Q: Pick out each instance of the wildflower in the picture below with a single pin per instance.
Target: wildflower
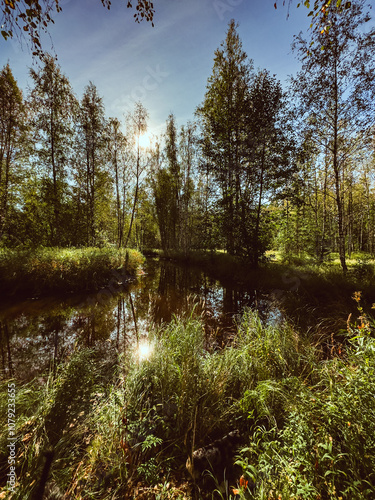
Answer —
(357, 296)
(243, 482)
(364, 323)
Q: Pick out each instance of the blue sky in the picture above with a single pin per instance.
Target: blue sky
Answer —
(165, 67)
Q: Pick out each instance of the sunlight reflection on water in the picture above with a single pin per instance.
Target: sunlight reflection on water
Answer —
(144, 350)
(36, 335)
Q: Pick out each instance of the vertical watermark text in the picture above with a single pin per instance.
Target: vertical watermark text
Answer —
(11, 475)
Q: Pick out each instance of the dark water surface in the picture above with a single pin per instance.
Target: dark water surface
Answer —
(37, 334)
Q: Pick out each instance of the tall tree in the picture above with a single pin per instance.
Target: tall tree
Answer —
(269, 161)
(167, 188)
(174, 170)
(117, 146)
(136, 127)
(223, 118)
(92, 176)
(336, 88)
(173, 186)
(188, 156)
(162, 195)
(12, 118)
(53, 105)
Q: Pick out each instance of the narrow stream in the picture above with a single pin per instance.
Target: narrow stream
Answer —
(37, 334)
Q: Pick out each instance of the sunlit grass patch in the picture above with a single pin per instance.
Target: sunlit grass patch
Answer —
(64, 269)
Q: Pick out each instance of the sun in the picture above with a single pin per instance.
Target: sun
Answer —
(145, 140)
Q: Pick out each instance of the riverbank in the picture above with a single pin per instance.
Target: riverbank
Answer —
(124, 427)
(314, 295)
(361, 268)
(38, 272)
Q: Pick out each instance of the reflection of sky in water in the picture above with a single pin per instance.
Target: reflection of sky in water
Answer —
(37, 334)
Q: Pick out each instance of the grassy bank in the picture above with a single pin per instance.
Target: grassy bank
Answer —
(56, 270)
(124, 428)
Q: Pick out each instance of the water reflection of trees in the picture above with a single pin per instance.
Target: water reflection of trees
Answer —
(36, 337)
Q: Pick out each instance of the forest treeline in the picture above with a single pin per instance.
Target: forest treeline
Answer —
(260, 167)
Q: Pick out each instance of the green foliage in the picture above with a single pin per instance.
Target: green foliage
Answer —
(245, 147)
(173, 187)
(339, 78)
(364, 268)
(325, 446)
(53, 105)
(223, 116)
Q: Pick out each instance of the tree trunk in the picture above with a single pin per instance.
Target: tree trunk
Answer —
(324, 215)
(339, 201)
(135, 200)
(257, 223)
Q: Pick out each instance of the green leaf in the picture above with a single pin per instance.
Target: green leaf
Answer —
(5, 34)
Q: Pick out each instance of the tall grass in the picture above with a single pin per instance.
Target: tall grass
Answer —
(324, 447)
(63, 270)
(66, 417)
(307, 423)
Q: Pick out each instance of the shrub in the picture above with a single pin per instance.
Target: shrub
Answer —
(325, 447)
